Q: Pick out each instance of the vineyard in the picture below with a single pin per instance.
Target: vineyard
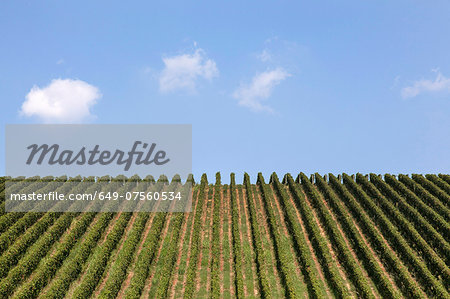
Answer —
(292, 237)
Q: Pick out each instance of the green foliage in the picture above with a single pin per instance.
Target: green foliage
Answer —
(191, 273)
(431, 285)
(216, 256)
(413, 207)
(257, 242)
(362, 250)
(318, 241)
(397, 206)
(389, 234)
(432, 195)
(354, 271)
(237, 251)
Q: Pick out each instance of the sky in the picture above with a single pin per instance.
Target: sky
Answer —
(285, 86)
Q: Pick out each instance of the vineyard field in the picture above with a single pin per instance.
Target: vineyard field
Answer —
(318, 236)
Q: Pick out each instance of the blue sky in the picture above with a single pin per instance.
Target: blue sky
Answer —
(286, 86)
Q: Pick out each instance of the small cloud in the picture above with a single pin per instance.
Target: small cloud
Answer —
(62, 101)
(271, 39)
(396, 82)
(277, 52)
(60, 61)
(183, 71)
(440, 84)
(259, 89)
(264, 56)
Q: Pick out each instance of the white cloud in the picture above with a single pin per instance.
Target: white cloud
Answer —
(441, 83)
(265, 56)
(183, 71)
(396, 82)
(260, 88)
(62, 101)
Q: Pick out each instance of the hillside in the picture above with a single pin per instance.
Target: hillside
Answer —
(320, 236)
